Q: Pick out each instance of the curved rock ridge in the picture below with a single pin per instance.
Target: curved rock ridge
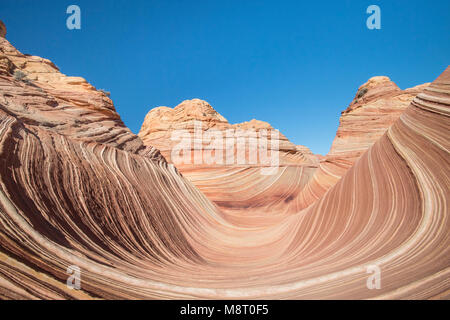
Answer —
(378, 103)
(303, 177)
(232, 185)
(88, 203)
(160, 123)
(33, 90)
(376, 106)
(138, 230)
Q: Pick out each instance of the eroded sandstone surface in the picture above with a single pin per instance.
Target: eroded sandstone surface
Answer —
(36, 93)
(78, 188)
(302, 177)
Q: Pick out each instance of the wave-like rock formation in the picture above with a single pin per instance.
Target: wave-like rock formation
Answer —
(302, 178)
(94, 197)
(161, 123)
(377, 105)
(35, 92)
(233, 185)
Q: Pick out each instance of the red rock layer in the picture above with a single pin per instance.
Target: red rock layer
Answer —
(377, 105)
(237, 188)
(33, 90)
(138, 229)
(303, 177)
(161, 122)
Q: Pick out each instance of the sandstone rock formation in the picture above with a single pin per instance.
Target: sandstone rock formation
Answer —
(161, 122)
(136, 228)
(377, 105)
(34, 91)
(235, 185)
(303, 177)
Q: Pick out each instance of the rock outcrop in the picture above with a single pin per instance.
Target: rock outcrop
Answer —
(34, 91)
(137, 229)
(237, 185)
(161, 122)
(377, 105)
(303, 177)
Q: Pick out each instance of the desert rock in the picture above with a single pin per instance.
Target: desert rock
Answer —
(138, 229)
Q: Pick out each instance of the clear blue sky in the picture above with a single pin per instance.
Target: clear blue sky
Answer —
(296, 64)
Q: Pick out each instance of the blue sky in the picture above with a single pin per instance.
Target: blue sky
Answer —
(295, 64)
